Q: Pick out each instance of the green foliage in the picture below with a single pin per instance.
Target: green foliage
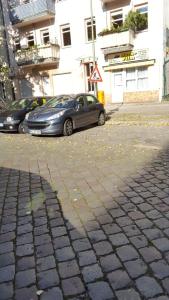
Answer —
(134, 21)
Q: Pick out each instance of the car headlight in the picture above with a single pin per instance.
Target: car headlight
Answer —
(27, 116)
(58, 115)
(9, 119)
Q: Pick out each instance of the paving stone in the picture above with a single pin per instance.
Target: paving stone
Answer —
(119, 279)
(118, 239)
(104, 219)
(153, 233)
(48, 279)
(7, 259)
(52, 294)
(6, 290)
(42, 239)
(91, 225)
(24, 229)
(145, 207)
(96, 236)
(72, 286)
(92, 273)
(162, 223)
(25, 278)
(131, 230)
(111, 228)
(27, 293)
(110, 263)
(25, 263)
(8, 227)
(24, 239)
(46, 263)
(136, 215)
(117, 212)
(160, 269)
(150, 254)
(124, 221)
(24, 250)
(166, 285)
(81, 245)
(129, 294)
(64, 254)
(153, 214)
(59, 231)
(148, 287)
(161, 298)
(139, 241)
(103, 248)
(7, 237)
(6, 247)
(144, 223)
(136, 268)
(161, 244)
(77, 233)
(86, 258)
(44, 250)
(61, 242)
(41, 230)
(127, 253)
(100, 291)
(7, 273)
(68, 269)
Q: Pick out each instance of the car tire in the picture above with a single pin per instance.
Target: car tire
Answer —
(101, 119)
(68, 127)
(21, 128)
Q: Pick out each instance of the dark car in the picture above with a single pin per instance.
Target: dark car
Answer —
(64, 113)
(12, 117)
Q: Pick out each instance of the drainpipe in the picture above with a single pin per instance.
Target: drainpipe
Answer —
(93, 45)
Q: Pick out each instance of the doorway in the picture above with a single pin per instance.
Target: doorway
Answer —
(117, 92)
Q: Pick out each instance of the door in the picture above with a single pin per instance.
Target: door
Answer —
(80, 116)
(117, 94)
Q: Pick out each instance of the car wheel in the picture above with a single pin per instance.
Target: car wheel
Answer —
(21, 128)
(68, 127)
(101, 119)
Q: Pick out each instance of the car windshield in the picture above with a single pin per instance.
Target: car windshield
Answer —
(61, 102)
(21, 104)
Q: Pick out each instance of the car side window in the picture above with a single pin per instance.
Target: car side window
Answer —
(91, 100)
(80, 101)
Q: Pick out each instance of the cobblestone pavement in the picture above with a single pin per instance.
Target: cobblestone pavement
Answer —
(85, 217)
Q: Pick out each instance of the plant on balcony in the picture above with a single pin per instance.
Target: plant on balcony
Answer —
(134, 21)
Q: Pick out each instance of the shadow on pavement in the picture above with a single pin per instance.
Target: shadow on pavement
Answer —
(72, 248)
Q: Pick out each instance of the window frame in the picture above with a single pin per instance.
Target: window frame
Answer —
(116, 12)
(42, 31)
(62, 27)
(136, 79)
(33, 39)
(88, 27)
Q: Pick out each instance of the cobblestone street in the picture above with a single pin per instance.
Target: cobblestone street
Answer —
(86, 216)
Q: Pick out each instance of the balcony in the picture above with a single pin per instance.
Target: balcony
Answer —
(36, 11)
(40, 55)
(117, 42)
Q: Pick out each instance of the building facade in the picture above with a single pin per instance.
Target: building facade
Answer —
(57, 43)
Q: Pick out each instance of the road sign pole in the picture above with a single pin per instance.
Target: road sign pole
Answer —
(93, 45)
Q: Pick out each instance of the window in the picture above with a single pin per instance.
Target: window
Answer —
(91, 100)
(17, 43)
(89, 30)
(88, 71)
(137, 79)
(45, 37)
(117, 18)
(66, 36)
(30, 38)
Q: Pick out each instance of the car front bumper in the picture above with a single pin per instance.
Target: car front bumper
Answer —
(51, 129)
(9, 127)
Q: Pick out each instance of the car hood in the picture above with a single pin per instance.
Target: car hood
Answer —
(12, 113)
(43, 114)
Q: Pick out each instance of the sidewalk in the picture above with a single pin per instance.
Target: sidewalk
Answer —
(138, 114)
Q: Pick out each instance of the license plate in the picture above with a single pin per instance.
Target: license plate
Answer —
(1, 124)
(35, 131)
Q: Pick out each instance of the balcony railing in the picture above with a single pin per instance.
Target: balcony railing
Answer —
(112, 42)
(43, 54)
(37, 10)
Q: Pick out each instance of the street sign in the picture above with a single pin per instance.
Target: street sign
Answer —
(95, 76)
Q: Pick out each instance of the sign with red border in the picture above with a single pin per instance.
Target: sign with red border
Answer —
(95, 76)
